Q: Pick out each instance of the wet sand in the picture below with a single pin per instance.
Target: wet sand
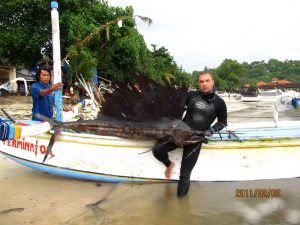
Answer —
(19, 107)
(32, 197)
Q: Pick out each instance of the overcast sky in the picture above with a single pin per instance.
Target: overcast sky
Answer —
(201, 33)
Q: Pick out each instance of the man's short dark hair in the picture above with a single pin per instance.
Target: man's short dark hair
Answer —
(206, 72)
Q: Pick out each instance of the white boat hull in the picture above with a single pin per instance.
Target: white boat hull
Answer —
(260, 99)
(112, 159)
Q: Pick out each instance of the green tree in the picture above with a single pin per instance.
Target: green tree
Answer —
(24, 30)
(90, 37)
(230, 72)
(162, 67)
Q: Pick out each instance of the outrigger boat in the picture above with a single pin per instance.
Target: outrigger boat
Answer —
(245, 154)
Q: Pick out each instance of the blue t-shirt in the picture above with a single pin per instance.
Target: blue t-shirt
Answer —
(41, 104)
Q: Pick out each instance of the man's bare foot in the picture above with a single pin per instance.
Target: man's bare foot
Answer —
(169, 170)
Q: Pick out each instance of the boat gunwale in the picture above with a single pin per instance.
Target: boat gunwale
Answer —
(236, 144)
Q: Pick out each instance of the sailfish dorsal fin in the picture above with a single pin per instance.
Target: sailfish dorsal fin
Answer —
(143, 99)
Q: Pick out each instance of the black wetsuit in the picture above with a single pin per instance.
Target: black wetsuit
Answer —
(202, 110)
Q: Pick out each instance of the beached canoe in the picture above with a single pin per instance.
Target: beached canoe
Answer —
(246, 154)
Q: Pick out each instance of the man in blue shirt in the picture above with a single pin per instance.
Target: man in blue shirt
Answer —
(42, 93)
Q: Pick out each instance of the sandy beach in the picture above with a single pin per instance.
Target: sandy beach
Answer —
(31, 197)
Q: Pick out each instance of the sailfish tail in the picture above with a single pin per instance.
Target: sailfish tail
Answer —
(57, 131)
(47, 119)
(53, 138)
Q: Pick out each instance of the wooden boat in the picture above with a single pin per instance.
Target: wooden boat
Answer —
(246, 154)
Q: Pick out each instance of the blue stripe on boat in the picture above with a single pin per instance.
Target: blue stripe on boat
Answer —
(79, 174)
(260, 134)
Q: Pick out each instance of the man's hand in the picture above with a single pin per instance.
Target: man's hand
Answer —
(208, 133)
(53, 88)
(56, 86)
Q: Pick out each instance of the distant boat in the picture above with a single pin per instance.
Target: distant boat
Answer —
(264, 96)
(270, 95)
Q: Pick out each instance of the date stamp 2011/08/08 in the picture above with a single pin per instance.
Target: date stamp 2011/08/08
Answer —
(258, 193)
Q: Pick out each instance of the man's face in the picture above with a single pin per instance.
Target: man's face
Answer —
(206, 83)
(44, 77)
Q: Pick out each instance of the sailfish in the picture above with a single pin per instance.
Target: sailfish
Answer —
(139, 109)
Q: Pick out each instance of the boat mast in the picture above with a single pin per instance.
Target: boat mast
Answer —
(56, 58)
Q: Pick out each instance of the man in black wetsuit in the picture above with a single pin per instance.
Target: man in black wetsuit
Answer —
(203, 107)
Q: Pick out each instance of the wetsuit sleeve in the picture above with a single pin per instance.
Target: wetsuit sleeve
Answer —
(221, 111)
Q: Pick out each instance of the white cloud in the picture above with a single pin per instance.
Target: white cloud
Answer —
(201, 33)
